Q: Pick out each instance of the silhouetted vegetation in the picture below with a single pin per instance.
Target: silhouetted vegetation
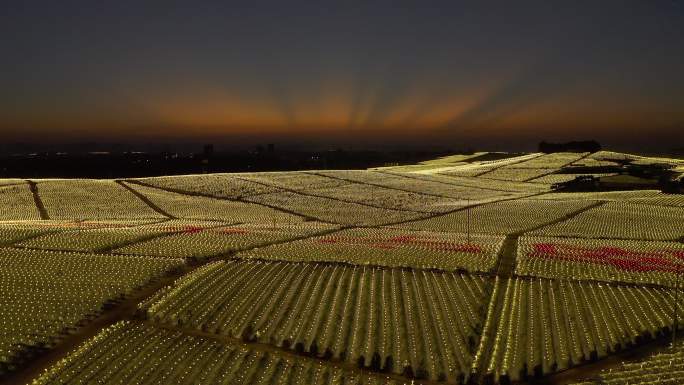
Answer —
(574, 146)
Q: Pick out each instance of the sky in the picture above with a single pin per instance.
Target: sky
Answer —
(358, 73)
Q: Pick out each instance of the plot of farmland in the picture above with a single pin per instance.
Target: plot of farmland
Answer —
(44, 295)
(108, 238)
(203, 208)
(17, 203)
(399, 318)
(604, 260)
(298, 181)
(391, 198)
(217, 185)
(391, 248)
(199, 242)
(398, 275)
(332, 210)
(623, 220)
(501, 217)
(92, 199)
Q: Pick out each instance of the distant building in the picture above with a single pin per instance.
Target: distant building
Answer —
(208, 151)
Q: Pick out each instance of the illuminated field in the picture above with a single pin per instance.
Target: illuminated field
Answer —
(454, 270)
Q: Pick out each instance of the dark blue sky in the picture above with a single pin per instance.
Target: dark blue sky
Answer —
(371, 72)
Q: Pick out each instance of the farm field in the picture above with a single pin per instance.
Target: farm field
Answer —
(468, 269)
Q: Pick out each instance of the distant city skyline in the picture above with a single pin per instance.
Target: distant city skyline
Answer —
(376, 74)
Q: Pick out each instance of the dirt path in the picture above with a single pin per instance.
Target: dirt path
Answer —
(453, 182)
(300, 192)
(198, 194)
(146, 200)
(509, 164)
(506, 270)
(33, 186)
(290, 354)
(407, 177)
(591, 370)
(559, 168)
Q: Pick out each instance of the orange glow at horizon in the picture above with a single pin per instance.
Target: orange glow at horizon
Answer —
(473, 110)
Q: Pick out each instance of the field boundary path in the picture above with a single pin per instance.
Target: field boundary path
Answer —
(146, 200)
(300, 192)
(450, 183)
(504, 272)
(33, 186)
(539, 155)
(308, 217)
(241, 200)
(287, 353)
(585, 156)
(389, 187)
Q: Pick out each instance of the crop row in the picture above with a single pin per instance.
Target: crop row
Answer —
(128, 353)
(626, 195)
(561, 178)
(45, 294)
(605, 260)
(675, 200)
(405, 321)
(391, 248)
(549, 325)
(12, 232)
